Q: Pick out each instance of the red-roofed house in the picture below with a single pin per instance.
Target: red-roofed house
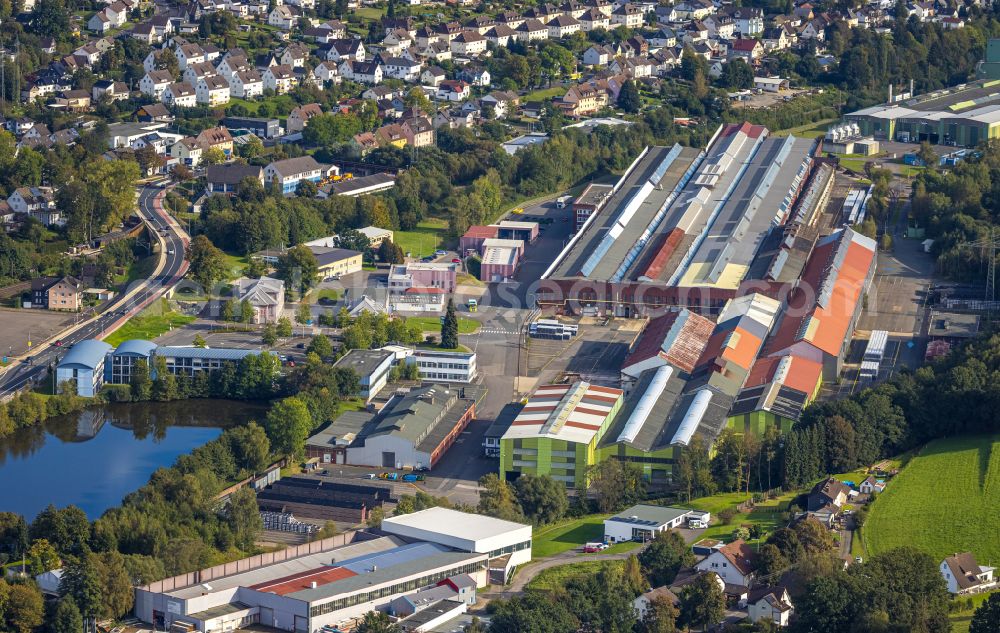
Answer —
(677, 338)
(475, 236)
(824, 308)
(749, 50)
(734, 563)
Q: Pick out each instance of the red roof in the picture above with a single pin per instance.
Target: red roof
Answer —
(803, 374)
(479, 231)
(740, 555)
(744, 45)
(826, 326)
(304, 580)
(665, 249)
(751, 130)
(685, 347)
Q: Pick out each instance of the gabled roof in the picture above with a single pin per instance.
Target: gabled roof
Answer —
(965, 569)
(678, 338)
(574, 413)
(740, 555)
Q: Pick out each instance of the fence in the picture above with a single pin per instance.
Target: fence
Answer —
(254, 562)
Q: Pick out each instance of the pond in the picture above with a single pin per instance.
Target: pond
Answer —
(95, 457)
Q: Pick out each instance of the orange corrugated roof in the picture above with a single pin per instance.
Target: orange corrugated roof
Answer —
(298, 582)
(665, 249)
(803, 375)
(742, 347)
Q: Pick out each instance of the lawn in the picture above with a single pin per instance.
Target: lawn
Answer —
(557, 577)
(769, 514)
(235, 264)
(425, 239)
(854, 162)
(564, 536)
(809, 130)
(330, 294)
(148, 325)
(960, 620)
(944, 501)
(433, 324)
(543, 94)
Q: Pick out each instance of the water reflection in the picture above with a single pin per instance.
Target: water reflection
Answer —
(94, 457)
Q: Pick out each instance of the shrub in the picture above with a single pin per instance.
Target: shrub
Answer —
(726, 516)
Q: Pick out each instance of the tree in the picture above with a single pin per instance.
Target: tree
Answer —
(533, 612)
(199, 341)
(375, 516)
(449, 327)
(770, 561)
(67, 618)
(228, 310)
(268, 336)
(303, 314)
(737, 75)
(82, 579)
(615, 484)
(703, 603)
(628, 98)
(542, 498)
(165, 384)
(25, 609)
(298, 267)
(306, 189)
(288, 424)
(213, 156)
(244, 517)
(51, 17)
(986, 619)
(927, 155)
(42, 557)
(498, 499)
(247, 311)
(283, 328)
(377, 622)
(321, 346)
(390, 253)
(208, 264)
(660, 616)
(666, 554)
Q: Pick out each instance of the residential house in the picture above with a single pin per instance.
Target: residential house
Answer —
(154, 82)
(871, 486)
(351, 49)
(596, 56)
(362, 72)
(734, 563)
(452, 90)
(770, 603)
(628, 15)
(826, 493)
(582, 100)
(188, 151)
(225, 178)
(280, 79)
(100, 22)
(391, 134)
(216, 138)
(749, 50)
(29, 199)
(593, 19)
(402, 68)
(73, 100)
(246, 84)
(299, 118)
(432, 76)
(694, 9)
(475, 75)
(563, 26)
(197, 71)
(532, 30)
(288, 173)
(180, 95)
(663, 38)
(188, 54)
(326, 72)
(112, 90)
(749, 21)
(144, 33)
(419, 131)
(212, 91)
(778, 38)
(284, 17)
(57, 293)
(468, 44)
(720, 26)
(501, 35)
(266, 295)
(500, 103)
(294, 55)
(963, 575)
(364, 142)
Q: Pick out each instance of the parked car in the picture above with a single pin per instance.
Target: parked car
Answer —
(455, 260)
(412, 477)
(440, 253)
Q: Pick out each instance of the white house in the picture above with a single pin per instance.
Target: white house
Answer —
(326, 72)
(212, 91)
(627, 15)
(154, 82)
(180, 94)
(963, 575)
(594, 19)
(734, 563)
(402, 68)
(770, 603)
(452, 90)
(291, 171)
(563, 26)
(246, 84)
(362, 72)
(280, 78)
(469, 44)
(871, 485)
(596, 55)
(643, 522)
(432, 76)
(284, 17)
(196, 71)
(299, 118)
(188, 54)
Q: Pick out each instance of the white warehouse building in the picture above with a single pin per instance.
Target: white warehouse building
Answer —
(643, 522)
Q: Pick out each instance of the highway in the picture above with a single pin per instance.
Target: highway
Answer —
(170, 268)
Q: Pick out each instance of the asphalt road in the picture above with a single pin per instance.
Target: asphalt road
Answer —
(173, 242)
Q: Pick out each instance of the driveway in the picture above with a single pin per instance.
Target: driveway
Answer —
(530, 571)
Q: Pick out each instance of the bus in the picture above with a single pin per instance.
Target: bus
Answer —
(552, 330)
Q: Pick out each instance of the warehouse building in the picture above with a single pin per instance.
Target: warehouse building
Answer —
(965, 115)
(643, 522)
(323, 500)
(557, 432)
(335, 581)
(682, 227)
(372, 367)
(413, 430)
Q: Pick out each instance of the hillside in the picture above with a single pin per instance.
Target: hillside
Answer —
(944, 501)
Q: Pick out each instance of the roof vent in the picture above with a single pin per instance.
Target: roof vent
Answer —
(313, 584)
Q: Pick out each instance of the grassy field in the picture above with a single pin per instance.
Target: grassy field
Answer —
(543, 94)
(425, 239)
(960, 620)
(564, 536)
(148, 326)
(330, 294)
(854, 162)
(433, 324)
(944, 501)
(235, 264)
(809, 130)
(555, 577)
(768, 514)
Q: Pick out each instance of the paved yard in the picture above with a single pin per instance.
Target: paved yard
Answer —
(39, 325)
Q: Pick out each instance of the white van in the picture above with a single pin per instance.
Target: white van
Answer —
(562, 201)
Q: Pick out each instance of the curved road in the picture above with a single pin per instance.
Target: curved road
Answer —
(169, 270)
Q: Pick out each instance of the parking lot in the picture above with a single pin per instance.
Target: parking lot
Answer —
(20, 326)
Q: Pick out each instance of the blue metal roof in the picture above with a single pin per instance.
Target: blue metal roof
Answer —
(205, 353)
(136, 346)
(89, 354)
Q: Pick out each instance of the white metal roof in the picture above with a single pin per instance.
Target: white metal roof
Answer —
(462, 525)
